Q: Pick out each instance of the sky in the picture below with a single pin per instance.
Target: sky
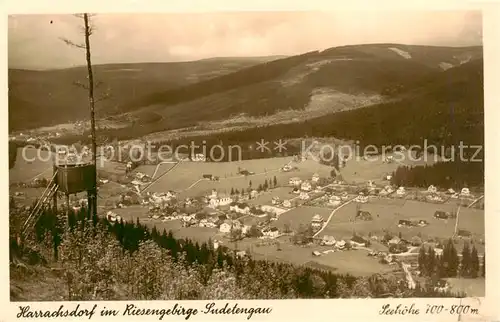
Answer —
(34, 41)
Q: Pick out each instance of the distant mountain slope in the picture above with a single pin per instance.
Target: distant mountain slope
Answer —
(40, 98)
(444, 112)
(316, 83)
(339, 78)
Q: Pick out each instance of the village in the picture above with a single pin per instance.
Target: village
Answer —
(293, 214)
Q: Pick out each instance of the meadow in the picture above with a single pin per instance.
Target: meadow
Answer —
(387, 213)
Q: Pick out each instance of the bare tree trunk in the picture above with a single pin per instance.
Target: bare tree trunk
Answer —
(93, 193)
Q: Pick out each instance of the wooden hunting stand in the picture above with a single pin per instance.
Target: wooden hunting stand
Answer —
(71, 178)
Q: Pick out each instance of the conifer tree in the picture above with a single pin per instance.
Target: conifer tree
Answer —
(431, 261)
(422, 261)
(465, 266)
(474, 263)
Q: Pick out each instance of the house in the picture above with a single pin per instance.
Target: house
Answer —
(465, 192)
(334, 201)
(439, 214)
(207, 176)
(199, 157)
(371, 185)
(294, 181)
(340, 244)
(257, 211)
(254, 193)
(315, 178)
(306, 186)
(225, 227)
(432, 189)
(272, 232)
(422, 223)
(361, 198)
(239, 207)
(401, 191)
(451, 191)
(464, 233)
(296, 190)
(304, 196)
(287, 204)
(317, 221)
(328, 241)
(358, 241)
(275, 201)
(286, 168)
(405, 223)
(218, 202)
(364, 215)
(394, 240)
(316, 253)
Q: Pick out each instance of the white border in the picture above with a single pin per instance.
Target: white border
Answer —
(295, 310)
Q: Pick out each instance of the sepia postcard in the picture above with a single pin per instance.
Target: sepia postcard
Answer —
(262, 164)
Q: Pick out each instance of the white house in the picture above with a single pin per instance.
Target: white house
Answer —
(272, 232)
(334, 201)
(432, 189)
(401, 191)
(340, 244)
(275, 201)
(328, 241)
(305, 186)
(361, 199)
(295, 181)
(199, 157)
(465, 192)
(241, 208)
(287, 203)
(317, 221)
(287, 168)
(218, 202)
(225, 228)
(315, 178)
(254, 193)
(304, 196)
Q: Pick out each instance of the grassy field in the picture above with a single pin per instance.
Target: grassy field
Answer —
(359, 170)
(387, 214)
(300, 215)
(188, 173)
(266, 197)
(24, 171)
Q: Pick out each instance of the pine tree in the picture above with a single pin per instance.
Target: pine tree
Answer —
(466, 261)
(431, 261)
(454, 261)
(422, 261)
(232, 192)
(474, 263)
(275, 181)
